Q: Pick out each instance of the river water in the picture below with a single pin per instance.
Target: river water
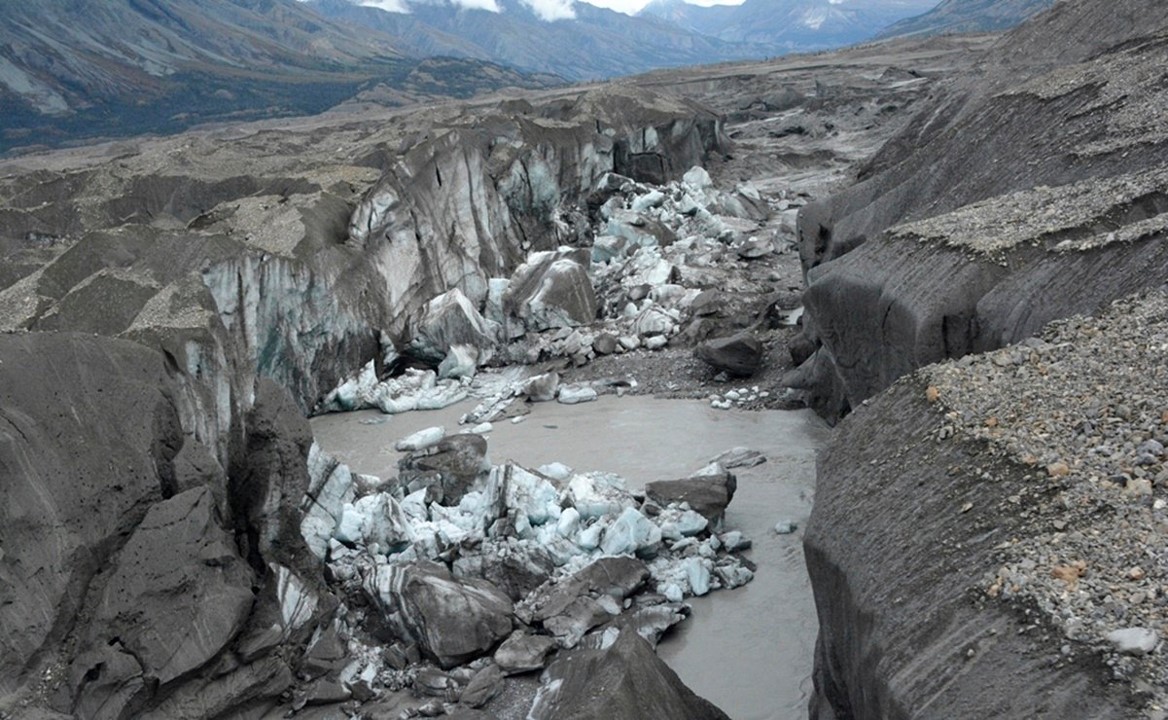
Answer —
(749, 650)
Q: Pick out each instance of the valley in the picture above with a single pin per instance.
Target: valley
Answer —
(502, 405)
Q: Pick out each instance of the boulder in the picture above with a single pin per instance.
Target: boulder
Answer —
(580, 616)
(452, 621)
(739, 355)
(623, 681)
(485, 685)
(708, 495)
(552, 290)
(604, 344)
(575, 394)
(651, 622)
(453, 464)
(755, 248)
(516, 566)
(448, 320)
(541, 388)
(524, 652)
(617, 577)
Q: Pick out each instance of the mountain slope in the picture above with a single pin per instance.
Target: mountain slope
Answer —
(958, 16)
(596, 43)
(115, 67)
(790, 25)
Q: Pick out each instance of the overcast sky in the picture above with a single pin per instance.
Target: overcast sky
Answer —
(548, 9)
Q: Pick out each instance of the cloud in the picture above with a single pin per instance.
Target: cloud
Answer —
(393, 6)
(550, 10)
(403, 6)
(491, 5)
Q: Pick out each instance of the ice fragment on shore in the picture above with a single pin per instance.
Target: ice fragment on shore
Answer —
(421, 439)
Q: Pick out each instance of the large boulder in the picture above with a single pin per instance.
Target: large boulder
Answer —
(623, 681)
(450, 320)
(451, 466)
(739, 355)
(708, 495)
(453, 621)
(616, 577)
(552, 290)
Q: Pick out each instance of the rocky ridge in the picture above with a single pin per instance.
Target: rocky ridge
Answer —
(988, 522)
(1065, 113)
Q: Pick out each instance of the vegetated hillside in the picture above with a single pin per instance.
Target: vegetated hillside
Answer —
(790, 25)
(959, 16)
(595, 43)
(119, 67)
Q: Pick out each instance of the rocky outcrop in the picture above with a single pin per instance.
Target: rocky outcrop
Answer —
(908, 523)
(179, 595)
(61, 482)
(141, 596)
(960, 250)
(622, 680)
(965, 512)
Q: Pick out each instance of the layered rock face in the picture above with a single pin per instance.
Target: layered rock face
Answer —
(899, 572)
(123, 578)
(157, 468)
(1029, 192)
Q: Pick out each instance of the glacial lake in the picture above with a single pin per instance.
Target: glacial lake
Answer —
(748, 650)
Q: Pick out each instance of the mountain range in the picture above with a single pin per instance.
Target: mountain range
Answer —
(790, 25)
(597, 43)
(83, 69)
(961, 16)
(87, 68)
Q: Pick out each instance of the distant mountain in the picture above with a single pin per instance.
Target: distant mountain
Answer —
(85, 68)
(597, 43)
(790, 25)
(959, 16)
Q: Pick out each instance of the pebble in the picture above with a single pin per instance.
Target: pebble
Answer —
(785, 527)
(1133, 641)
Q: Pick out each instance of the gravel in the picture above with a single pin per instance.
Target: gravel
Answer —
(1084, 411)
